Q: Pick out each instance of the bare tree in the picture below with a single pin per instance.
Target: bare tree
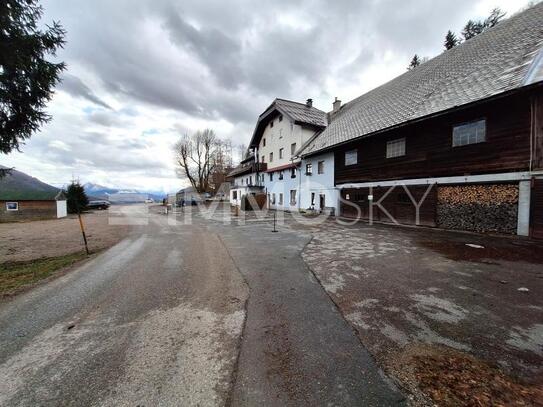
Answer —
(196, 157)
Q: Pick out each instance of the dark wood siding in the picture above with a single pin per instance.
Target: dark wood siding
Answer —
(537, 209)
(429, 151)
(396, 202)
(538, 132)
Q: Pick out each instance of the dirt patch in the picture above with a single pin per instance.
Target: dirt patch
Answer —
(453, 378)
(57, 237)
(508, 251)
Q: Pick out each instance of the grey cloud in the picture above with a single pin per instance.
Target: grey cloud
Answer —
(75, 86)
(212, 61)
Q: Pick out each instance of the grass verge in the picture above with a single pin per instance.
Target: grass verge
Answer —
(14, 276)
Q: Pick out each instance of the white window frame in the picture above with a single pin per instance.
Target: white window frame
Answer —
(292, 148)
(469, 133)
(273, 199)
(351, 157)
(281, 153)
(309, 169)
(280, 198)
(396, 148)
(11, 203)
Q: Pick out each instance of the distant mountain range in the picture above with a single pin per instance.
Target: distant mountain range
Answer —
(17, 185)
(97, 192)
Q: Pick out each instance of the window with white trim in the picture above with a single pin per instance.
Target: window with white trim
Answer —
(396, 148)
(273, 199)
(292, 197)
(280, 198)
(308, 169)
(281, 152)
(320, 167)
(351, 157)
(12, 206)
(469, 133)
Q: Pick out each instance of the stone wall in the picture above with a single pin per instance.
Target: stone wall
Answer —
(479, 208)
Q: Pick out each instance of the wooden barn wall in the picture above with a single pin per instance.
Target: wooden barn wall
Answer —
(429, 151)
(538, 132)
(29, 210)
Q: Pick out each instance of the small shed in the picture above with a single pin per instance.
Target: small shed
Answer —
(25, 198)
(31, 206)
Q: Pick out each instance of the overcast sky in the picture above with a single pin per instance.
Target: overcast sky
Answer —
(141, 73)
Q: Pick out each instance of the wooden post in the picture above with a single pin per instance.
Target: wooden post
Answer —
(83, 232)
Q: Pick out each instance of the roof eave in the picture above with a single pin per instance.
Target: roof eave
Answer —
(430, 116)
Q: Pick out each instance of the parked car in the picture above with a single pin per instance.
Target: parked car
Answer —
(98, 205)
(149, 200)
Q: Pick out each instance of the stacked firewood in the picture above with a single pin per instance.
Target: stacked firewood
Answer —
(480, 194)
(479, 208)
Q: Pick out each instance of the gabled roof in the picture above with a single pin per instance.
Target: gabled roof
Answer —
(300, 113)
(503, 58)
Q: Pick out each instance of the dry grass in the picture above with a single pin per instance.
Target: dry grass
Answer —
(15, 276)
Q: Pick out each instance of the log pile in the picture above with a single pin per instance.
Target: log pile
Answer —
(478, 208)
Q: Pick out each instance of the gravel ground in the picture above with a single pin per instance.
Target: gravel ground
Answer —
(406, 289)
(56, 237)
(155, 320)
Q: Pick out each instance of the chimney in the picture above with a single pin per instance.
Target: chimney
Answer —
(309, 103)
(336, 105)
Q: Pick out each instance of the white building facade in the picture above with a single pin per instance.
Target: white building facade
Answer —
(276, 167)
(317, 188)
(281, 131)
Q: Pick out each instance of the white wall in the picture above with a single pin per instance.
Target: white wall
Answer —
(319, 184)
(282, 135)
(284, 187)
(62, 210)
(241, 186)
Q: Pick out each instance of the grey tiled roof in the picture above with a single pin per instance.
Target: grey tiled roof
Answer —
(299, 112)
(501, 59)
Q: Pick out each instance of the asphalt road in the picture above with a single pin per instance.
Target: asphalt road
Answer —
(176, 314)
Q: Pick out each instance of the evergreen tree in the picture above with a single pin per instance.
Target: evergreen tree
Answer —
(494, 18)
(451, 40)
(27, 79)
(473, 28)
(416, 61)
(76, 197)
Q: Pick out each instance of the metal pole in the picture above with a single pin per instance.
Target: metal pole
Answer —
(83, 232)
